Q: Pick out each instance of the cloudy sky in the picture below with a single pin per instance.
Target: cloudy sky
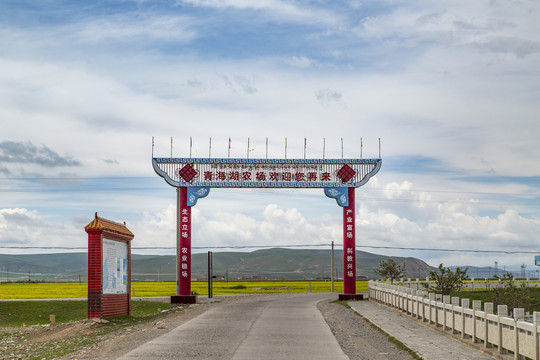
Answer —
(451, 88)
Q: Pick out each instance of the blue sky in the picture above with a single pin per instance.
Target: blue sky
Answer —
(451, 87)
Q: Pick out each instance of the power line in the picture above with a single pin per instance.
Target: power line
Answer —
(128, 189)
(288, 246)
(104, 189)
(80, 178)
(154, 177)
(453, 191)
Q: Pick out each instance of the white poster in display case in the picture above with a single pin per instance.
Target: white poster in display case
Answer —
(115, 267)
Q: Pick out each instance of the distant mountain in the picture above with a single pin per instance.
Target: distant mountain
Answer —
(277, 263)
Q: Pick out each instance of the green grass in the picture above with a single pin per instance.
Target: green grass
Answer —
(17, 313)
(20, 313)
(33, 313)
(486, 296)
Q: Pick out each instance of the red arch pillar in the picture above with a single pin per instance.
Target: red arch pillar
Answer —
(183, 251)
(349, 251)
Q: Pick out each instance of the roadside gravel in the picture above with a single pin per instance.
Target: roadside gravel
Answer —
(358, 339)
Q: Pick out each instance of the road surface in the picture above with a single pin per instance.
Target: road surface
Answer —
(287, 326)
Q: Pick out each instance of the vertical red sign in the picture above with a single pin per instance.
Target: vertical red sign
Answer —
(349, 246)
(184, 244)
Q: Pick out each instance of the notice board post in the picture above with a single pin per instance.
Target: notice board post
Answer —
(109, 268)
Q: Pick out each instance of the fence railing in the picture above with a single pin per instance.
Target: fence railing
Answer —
(507, 333)
(472, 284)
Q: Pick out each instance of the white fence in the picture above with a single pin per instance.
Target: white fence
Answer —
(508, 334)
(472, 284)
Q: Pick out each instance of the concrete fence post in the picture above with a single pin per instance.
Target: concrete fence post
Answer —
(519, 314)
(536, 322)
(488, 310)
(502, 311)
(431, 298)
(414, 302)
(455, 307)
(446, 300)
(465, 303)
(477, 306)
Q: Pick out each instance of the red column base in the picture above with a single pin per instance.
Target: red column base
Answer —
(351, 297)
(184, 299)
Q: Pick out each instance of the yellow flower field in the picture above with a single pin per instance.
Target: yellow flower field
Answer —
(145, 289)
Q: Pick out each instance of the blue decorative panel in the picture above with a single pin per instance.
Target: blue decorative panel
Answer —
(341, 195)
(195, 193)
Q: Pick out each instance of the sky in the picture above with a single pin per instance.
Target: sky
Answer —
(451, 89)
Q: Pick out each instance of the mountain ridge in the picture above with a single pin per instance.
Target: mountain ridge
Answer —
(273, 263)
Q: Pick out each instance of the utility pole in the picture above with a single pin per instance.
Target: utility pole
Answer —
(210, 295)
(332, 266)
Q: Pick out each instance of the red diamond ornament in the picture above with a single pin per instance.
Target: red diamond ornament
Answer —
(346, 173)
(187, 172)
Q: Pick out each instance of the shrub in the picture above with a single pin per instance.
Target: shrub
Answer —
(511, 295)
(390, 270)
(446, 280)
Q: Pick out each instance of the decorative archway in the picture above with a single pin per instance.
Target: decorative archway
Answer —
(194, 177)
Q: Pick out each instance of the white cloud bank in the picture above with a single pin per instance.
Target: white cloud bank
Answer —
(399, 219)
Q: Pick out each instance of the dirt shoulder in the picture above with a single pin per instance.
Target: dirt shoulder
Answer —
(94, 338)
(357, 337)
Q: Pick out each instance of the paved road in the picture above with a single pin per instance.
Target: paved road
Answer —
(268, 327)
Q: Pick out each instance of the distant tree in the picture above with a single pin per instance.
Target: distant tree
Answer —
(510, 294)
(389, 269)
(446, 280)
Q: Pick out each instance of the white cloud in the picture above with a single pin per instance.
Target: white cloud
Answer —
(510, 45)
(302, 62)
(327, 96)
(132, 27)
(413, 221)
(22, 227)
(276, 10)
(400, 219)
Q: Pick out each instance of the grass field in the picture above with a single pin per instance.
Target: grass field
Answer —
(144, 289)
(31, 313)
(487, 296)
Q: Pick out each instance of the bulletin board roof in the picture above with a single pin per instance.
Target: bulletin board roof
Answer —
(108, 225)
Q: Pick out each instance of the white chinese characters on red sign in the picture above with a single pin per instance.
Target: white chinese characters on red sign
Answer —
(184, 250)
(349, 245)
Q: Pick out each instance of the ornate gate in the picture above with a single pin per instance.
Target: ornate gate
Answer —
(194, 177)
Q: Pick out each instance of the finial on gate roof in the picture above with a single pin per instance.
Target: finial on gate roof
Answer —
(96, 215)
